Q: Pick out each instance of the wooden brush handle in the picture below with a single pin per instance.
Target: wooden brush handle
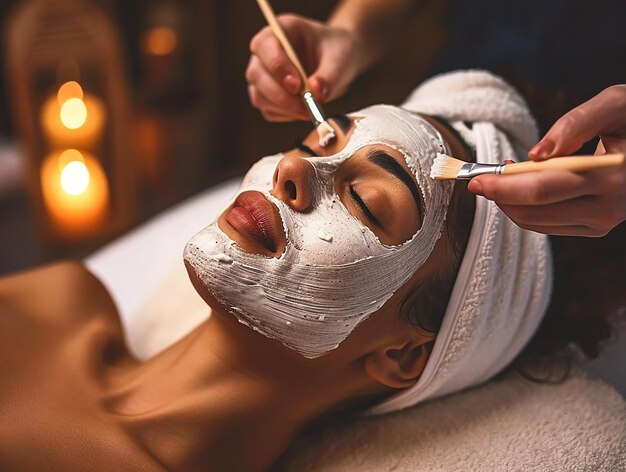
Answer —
(572, 163)
(270, 16)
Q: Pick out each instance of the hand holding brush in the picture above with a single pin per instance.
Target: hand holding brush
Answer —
(447, 167)
(567, 202)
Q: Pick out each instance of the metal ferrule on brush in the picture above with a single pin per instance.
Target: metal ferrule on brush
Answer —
(314, 109)
(471, 170)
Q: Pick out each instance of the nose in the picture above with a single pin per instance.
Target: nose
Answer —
(292, 182)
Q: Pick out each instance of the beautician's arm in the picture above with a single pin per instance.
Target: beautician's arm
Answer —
(336, 52)
(561, 202)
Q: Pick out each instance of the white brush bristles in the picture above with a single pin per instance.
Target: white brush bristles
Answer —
(326, 133)
(445, 167)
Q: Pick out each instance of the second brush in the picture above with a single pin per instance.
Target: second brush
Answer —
(447, 167)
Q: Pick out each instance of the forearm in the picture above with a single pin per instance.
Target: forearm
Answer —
(375, 23)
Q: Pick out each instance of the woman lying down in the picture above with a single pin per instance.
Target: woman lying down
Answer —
(340, 279)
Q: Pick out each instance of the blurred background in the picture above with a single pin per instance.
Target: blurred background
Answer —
(111, 111)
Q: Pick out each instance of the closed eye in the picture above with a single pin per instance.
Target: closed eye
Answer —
(361, 204)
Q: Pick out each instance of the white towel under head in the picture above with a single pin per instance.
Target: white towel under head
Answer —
(504, 283)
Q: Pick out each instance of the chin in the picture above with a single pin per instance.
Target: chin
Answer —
(204, 292)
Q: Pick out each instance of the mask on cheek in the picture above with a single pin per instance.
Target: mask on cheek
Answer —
(334, 271)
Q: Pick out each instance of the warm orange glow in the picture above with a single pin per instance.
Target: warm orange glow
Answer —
(75, 178)
(73, 113)
(69, 90)
(75, 192)
(160, 41)
(75, 123)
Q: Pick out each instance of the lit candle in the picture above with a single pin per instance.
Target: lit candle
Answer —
(72, 118)
(75, 192)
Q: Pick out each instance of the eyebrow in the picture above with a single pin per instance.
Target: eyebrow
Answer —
(388, 163)
(343, 121)
(299, 144)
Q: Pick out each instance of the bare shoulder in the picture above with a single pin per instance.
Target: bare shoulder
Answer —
(63, 292)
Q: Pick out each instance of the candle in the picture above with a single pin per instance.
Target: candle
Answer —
(72, 118)
(75, 192)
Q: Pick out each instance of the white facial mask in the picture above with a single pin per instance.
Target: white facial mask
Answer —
(334, 271)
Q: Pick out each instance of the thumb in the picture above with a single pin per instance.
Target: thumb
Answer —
(319, 88)
(566, 136)
(601, 115)
(324, 82)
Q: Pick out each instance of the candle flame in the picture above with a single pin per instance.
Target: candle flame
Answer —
(75, 177)
(75, 193)
(73, 113)
(71, 89)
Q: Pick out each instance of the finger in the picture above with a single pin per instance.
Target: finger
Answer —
(260, 102)
(271, 96)
(254, 69)
(276, 118)
(326, 81)
(269, 110)
(274, 60)
(534, 188)
(319, 88)
(603, 114)
(265, 84)
(590, 211)
(323, 81)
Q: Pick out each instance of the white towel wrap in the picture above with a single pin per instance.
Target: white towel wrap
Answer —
(504, 283)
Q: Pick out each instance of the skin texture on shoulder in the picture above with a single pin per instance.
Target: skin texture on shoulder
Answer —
(62, 295)
(59, 331)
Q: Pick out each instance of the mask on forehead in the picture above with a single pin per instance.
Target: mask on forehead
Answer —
(334, 271)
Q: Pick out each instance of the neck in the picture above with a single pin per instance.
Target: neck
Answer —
(207, 403)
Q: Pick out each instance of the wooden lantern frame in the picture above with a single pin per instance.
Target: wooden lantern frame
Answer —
(42, 34)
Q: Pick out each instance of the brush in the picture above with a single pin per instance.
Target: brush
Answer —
(325, 132)
(447, 167)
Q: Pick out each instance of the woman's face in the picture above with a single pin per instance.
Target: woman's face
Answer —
(375, 185)
(320, 238)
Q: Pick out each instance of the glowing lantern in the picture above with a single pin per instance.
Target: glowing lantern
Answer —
(71, 109)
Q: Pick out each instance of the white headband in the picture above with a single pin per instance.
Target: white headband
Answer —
(504, 283)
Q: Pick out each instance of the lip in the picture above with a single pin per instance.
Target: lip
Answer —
(257, 219)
